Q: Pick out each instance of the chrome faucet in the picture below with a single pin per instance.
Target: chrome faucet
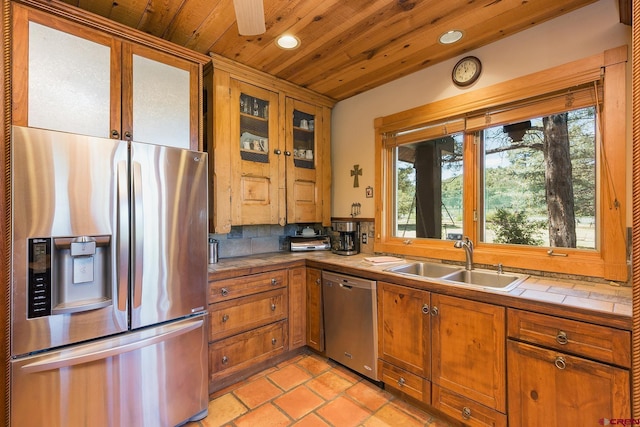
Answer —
(467, 245)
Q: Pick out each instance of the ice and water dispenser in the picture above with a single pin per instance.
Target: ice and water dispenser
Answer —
(68, 274)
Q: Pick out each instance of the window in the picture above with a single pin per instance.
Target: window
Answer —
(538, 181)
(533, 175)
(428, 190)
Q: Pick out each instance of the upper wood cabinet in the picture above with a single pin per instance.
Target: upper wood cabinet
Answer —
(270, 145)
(83, 80)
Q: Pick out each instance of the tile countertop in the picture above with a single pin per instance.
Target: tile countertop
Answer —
(601, 303)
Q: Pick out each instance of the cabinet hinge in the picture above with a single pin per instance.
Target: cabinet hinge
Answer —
(475, 215)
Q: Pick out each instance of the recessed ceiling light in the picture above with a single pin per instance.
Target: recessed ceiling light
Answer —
(288, 42)
(450, 36)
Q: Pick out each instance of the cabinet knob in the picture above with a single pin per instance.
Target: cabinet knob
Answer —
(401, 382)
(277, 151)
(225, 360)
(287, 153)
(274, 281)
(466, 413)
(128, 136)
(561, 338)
(225, 317)
(224, 292)
(115, 134)
(273, 307)
(273, 341)
(560, 362)
(425, 309)
(434, 311)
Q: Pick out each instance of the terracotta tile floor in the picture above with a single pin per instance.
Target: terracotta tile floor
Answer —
(310, 391)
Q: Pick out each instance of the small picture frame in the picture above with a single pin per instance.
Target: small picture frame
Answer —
(369, 192)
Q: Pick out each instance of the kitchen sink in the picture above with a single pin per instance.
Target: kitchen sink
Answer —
(485, 279)
(424, 269)
(459, 276)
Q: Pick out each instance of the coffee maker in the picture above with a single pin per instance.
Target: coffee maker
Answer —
(348, 242)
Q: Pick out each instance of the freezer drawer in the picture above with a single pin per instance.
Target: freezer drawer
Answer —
(150, 378)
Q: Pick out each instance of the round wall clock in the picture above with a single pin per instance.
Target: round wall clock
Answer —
(466, 71)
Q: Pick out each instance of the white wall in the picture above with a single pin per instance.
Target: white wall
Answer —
(579, 34)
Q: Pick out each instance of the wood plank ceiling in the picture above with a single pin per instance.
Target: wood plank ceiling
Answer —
(347, 46)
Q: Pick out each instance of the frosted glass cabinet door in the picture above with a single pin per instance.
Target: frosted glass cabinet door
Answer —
(161, 103)
(69, 82)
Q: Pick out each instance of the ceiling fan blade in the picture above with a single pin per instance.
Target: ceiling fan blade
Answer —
(250, 17)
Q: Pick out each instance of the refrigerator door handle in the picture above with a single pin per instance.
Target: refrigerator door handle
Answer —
(123, 236)
(137, 260)
(81, 356)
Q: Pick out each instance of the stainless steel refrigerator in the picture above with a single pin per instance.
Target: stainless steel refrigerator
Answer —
(109, 277)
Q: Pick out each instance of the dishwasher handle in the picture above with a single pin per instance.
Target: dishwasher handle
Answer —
(347, 282)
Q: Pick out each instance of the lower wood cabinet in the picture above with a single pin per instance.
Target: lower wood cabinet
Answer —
(297, 307)
(468, 360)
(444, 351)
(563, 372)
(405, 382)
(233, 354)
(465, 409)
(315, 317)
(252, 319)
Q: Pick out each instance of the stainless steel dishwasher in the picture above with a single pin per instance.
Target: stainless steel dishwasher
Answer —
(351, 322)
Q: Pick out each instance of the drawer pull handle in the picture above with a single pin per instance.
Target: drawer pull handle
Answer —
(561, 338)
(318, 281)
(273, 307)
(225, 360)
(274, 282)
(273, 341)
(434, 311)
(401, 382)
(466, 413)
(560, 363)
(225, 317)
(425, 309)
(224, 292)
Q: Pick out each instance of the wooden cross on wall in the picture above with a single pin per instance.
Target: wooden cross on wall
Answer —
(355, 173)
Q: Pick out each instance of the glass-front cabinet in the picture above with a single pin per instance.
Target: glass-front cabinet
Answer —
(269, 149)
(304, 125)
(78, 79)
(254, 155)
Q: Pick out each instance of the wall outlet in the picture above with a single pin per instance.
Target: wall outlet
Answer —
(364, 238)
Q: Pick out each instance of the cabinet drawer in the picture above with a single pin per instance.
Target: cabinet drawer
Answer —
(466, 410)
(405, 382)
(596, 342)
(223, 290)
(241, 314)
(239, 352)
(551, 388)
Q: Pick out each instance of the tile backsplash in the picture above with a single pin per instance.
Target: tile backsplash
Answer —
(257, 239)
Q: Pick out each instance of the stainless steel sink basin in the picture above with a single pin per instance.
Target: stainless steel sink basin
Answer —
(424, 269)
(459, 276)
(485, 279)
